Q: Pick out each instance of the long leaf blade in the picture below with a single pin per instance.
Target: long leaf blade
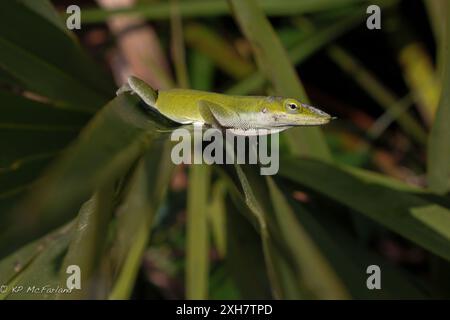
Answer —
(411, 215)
(274, 61)
(439, 140)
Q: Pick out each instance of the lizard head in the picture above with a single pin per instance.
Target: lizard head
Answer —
(288, 112)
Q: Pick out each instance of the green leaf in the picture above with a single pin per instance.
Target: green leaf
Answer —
(105, 149)
(135, 217)
(248, 204)
(439, 140)
(314, 270)
(245, 258)
(348, 257)
(217, 217)
(406, 213)
(202, 73)
(211, 8)
(46, 59)
(287, 266)
(351, 259)
(379, 92)
(45, 9)
(178, 47)
(274, 61)
(32, 134)
(214, 46)
(197, 244)
(87, 246)
(22, 174)
(304, 47)
(22, 113)
(36, 267)
(23, 144)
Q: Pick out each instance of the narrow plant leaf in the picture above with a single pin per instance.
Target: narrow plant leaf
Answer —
(217, 217)
(22, 174)
(422, 78)
(178, 47)
(35, 267)
(439, 140)
(410, 215)
(302, 49)
(20, 113)
(68, 77)
(202, 74)
(273, 60)
(258, 218)
(350, 258)
(330, 234)
(436, 10)
(286, 264)
(437, 14)
(197, 244)
(135, 217)
(212, 44)
(245, 258)
(15, 263)
(19, 145)
(314, 270)
(382, 95)
(45, 9)
(113, 140)
(211, 8)
(32, 134)
(87, 246)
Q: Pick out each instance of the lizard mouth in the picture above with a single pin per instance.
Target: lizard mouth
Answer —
(303, 123)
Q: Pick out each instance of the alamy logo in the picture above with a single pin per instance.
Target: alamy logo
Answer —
(374, 20)
(374, 280)
(214, 146)
(74, 279)
(74, 20)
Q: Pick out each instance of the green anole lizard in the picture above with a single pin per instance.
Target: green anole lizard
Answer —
(242, 115)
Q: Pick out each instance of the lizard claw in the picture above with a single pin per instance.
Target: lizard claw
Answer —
(125, 88)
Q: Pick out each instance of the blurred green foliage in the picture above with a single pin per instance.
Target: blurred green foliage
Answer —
(89, 182)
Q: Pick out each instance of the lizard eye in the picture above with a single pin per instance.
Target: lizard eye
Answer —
(291, 107)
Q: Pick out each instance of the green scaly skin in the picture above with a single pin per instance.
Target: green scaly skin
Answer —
(241, 114)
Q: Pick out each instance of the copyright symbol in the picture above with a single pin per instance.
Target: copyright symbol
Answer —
(3, 288)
